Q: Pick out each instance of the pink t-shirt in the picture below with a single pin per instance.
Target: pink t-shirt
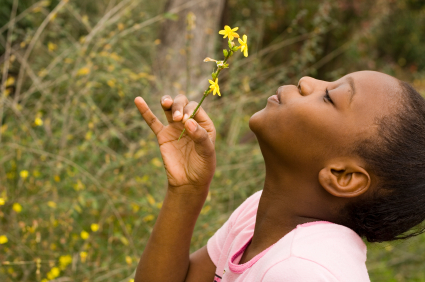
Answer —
(317, 251)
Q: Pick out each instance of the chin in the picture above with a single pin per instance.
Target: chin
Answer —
(255, 122)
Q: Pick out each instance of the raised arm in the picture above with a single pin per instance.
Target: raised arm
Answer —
(190, 165)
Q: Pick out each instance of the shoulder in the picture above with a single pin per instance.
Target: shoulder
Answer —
(298, 269)
(335, 247)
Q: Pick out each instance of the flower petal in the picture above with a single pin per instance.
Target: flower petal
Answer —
(222, 32)
(211, 82)
(245, 38)
(235, 29)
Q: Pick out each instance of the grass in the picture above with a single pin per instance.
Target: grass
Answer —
(81, 176)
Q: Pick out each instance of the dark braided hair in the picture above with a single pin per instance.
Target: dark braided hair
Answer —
(398, 160)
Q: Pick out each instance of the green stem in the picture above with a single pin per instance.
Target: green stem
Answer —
(205, 94)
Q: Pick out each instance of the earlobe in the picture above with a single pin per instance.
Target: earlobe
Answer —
(344, 179)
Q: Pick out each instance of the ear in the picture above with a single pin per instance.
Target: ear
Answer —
(344, 178)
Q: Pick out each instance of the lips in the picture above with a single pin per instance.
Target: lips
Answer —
(274, 98)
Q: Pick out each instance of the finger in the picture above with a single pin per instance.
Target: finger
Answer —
(204, 146)
(166, 103)
(188, 110)
(201, 117)
(177, 109)
(148, 116)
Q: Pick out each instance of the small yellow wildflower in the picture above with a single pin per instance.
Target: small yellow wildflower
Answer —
(111, 83)
(214, 87)
(156, 162)
(38, 122)
(17, 207)
(52, 46)
(3, 239)
(51, 204)
(64, 261)
(148, 218)
(128, 260)
(10, 81)
(244, 45)
(53, 273)
(84, 235)
(94, 227)
(131, 280)
(150, 199)
(24, 173)
(229, 32)
(83, 256)
(2, 201)
(83, 71)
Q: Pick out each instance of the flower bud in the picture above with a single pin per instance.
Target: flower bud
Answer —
(208, 59)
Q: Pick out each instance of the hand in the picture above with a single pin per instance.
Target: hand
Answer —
(189, 162)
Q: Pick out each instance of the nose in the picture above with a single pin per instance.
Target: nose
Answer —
(308, 85)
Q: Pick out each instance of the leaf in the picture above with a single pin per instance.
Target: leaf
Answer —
(171, 16)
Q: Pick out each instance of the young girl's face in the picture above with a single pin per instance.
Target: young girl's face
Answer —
(302, 126)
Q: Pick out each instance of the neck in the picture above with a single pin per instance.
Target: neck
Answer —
(287, 200)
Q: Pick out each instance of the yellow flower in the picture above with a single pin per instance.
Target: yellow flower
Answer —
(84, 235)
(54, 272)
(228, 31)
(2, 201)
(51, 204)
(214, 86)
(3, 239)
(64, 261)
(83, 71)
(17, 207)
(83, 256)
(38, 122)
(94, 227)
(24, 173)
(52, 46)
(10, 81)
(148, 218)
(244, 45)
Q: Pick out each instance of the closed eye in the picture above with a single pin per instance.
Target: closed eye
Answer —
(327, 97)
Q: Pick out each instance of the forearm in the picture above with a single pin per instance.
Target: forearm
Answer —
(166, 255)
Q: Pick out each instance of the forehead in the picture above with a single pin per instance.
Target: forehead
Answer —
(374, 82)
(377, 96)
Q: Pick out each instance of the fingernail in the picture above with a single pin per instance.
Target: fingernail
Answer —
(165, 99)
(191, 126)
(176, 114)
(185, 117)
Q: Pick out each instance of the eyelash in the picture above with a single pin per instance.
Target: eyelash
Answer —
(327, 96)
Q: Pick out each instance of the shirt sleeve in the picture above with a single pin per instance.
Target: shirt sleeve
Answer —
(216, 242)
(296, 269)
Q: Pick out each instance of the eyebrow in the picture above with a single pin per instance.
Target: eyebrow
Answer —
(353, 89)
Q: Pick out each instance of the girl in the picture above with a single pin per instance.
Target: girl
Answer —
(344, 160)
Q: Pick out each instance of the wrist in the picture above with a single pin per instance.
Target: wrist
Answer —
(189, 190)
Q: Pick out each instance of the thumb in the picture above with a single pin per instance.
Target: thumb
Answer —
(203, 145)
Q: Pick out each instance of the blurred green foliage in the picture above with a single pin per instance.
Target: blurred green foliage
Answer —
(81, 177)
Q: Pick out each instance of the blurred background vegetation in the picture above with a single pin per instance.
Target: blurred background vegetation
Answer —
(81, 177)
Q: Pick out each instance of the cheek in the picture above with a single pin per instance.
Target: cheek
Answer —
(306, 131)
